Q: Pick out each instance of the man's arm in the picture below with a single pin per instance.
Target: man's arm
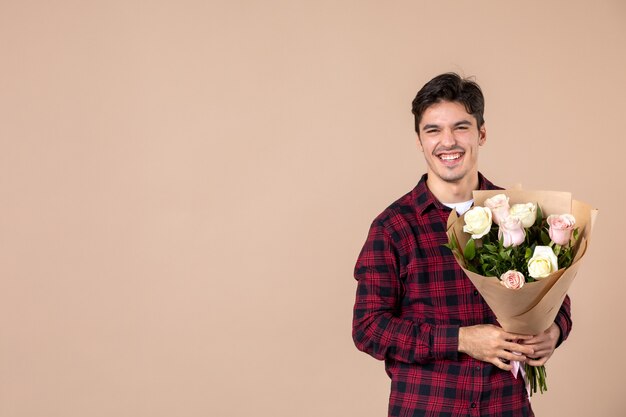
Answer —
(376, 328)
(564, 320)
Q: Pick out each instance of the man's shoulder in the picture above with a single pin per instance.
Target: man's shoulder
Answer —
(397, 211)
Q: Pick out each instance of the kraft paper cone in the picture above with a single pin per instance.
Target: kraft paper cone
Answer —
(532, 308)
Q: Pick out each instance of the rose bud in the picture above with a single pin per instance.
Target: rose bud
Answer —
(512, 232)
(499, 206)
(543, 263)
(561, 227)
(477, 222)
(512, 279)
(527, 213)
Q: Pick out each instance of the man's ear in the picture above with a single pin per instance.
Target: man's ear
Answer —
(419, 143)
(482, 135)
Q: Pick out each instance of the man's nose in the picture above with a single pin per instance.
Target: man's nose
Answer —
(447, 138)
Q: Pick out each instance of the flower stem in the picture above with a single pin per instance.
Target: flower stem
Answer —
(536, 378)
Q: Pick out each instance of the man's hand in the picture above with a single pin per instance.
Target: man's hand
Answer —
(489, 343)
(543, 345)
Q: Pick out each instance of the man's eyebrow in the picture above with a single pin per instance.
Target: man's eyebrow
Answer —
(459, 123)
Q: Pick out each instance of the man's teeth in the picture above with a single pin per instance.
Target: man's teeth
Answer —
(450, 157)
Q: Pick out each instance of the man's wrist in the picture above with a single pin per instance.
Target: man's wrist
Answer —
(556, 330)
(461, 345)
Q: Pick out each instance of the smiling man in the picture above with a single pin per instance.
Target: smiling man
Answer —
(415, 308)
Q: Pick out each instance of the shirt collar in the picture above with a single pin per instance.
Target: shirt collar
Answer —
(424, 199)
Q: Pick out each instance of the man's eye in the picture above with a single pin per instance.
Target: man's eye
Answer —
(432, 131)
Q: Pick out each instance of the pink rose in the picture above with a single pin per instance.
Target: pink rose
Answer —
(511, 231)
(512, 279)
(561, 227)
(499, 206)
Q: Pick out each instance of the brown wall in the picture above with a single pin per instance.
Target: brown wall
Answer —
(185, 186)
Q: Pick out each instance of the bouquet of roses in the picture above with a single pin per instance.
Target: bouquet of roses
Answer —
(521, 249)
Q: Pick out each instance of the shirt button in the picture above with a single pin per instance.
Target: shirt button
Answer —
(477, 368)
(473, 405)
(475, 292)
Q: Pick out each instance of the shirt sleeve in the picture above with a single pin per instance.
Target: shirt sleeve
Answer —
(376, 328)
(564, 320)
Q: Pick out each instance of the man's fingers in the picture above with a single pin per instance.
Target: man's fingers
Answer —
(540, 357)
(514, 347)
(537, 362)
(502, 365)
(514, 336)
(513, 356)
(532, 341)
(539, 352)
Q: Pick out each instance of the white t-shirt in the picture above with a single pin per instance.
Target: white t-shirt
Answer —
(462, 207)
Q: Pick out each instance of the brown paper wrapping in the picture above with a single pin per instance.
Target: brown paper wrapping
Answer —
(532, 308)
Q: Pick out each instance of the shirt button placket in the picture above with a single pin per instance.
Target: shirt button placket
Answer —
(478, 377)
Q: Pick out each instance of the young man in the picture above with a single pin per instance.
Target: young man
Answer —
(415, 308)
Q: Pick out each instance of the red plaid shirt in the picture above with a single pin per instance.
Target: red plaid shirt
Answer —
(411, 299)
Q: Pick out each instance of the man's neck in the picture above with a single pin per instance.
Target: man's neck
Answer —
(453, 192)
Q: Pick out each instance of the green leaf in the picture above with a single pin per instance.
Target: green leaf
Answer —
(545, 239)
(528, 254)
(490, 247)
(470, 250)
(491, 258)
(452, 241)
(576, 234)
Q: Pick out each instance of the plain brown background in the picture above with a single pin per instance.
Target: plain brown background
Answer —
(185, 186)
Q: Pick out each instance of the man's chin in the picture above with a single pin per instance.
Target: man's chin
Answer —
(452, 177)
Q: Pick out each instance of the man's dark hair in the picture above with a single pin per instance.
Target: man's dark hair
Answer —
(450, 87)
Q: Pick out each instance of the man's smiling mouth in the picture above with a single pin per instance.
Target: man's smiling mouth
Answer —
(450, 156)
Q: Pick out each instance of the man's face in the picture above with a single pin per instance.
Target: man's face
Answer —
(449, 138)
